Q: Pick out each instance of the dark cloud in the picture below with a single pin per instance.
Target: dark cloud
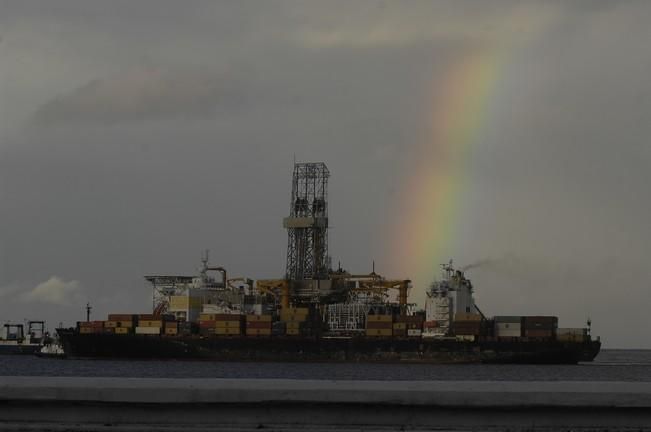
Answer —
(143, 94)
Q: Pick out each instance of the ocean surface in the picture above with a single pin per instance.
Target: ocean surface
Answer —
(610, 365)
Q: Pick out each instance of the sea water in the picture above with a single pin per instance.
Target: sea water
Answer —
(610, 365)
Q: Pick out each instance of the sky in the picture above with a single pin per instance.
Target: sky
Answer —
(509, 136)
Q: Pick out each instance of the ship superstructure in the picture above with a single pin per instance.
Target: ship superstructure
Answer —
(448, 299)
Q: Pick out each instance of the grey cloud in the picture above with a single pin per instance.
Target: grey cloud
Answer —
(142, 94)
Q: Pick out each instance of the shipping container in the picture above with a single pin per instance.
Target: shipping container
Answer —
(146, 317)
(400, 332)
(171, 331)
(122, 330)
(150, 323)
(228, 324)
(110, 324)
(206, 317)
(508, 329)
(379, 332)
(148, 330)
(379, 318)
(571, 338)
(293, 332)
(466, 327)
(292, 317)
(400, 326)
(127, 324)
(293, 325)
(258, 325)
(379, 325)
(414, 333)
(572, 334)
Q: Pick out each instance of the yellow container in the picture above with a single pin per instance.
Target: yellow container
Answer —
(110, 324)
(127, 324)
(293, 332)
(228, 324)
(379, 332)
(293, 325)
(206, 317)
(86, 330)
(379, 318)
(285, 316)
(252, 318)
(399, 326)
(153, 323)
(171, 331)
(122, 330)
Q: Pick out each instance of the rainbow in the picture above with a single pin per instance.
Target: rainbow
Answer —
(462, 106)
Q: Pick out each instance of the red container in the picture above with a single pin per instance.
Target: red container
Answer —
(146, 317)
(206, 324)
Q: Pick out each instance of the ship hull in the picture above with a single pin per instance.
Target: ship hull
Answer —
(304, 349)
(19, 349)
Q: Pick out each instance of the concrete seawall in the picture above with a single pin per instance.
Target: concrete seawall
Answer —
(141, 404)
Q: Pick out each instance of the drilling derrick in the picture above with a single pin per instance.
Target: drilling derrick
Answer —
(307, 225)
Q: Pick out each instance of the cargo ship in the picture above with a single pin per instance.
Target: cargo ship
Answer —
(319, 314)
(197, 323)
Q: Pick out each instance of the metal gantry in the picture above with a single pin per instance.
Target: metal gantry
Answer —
(307, 224)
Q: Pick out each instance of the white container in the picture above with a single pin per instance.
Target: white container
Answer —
(148, 330)
(414, 332)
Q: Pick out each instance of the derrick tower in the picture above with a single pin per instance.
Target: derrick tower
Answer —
(307, 224)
